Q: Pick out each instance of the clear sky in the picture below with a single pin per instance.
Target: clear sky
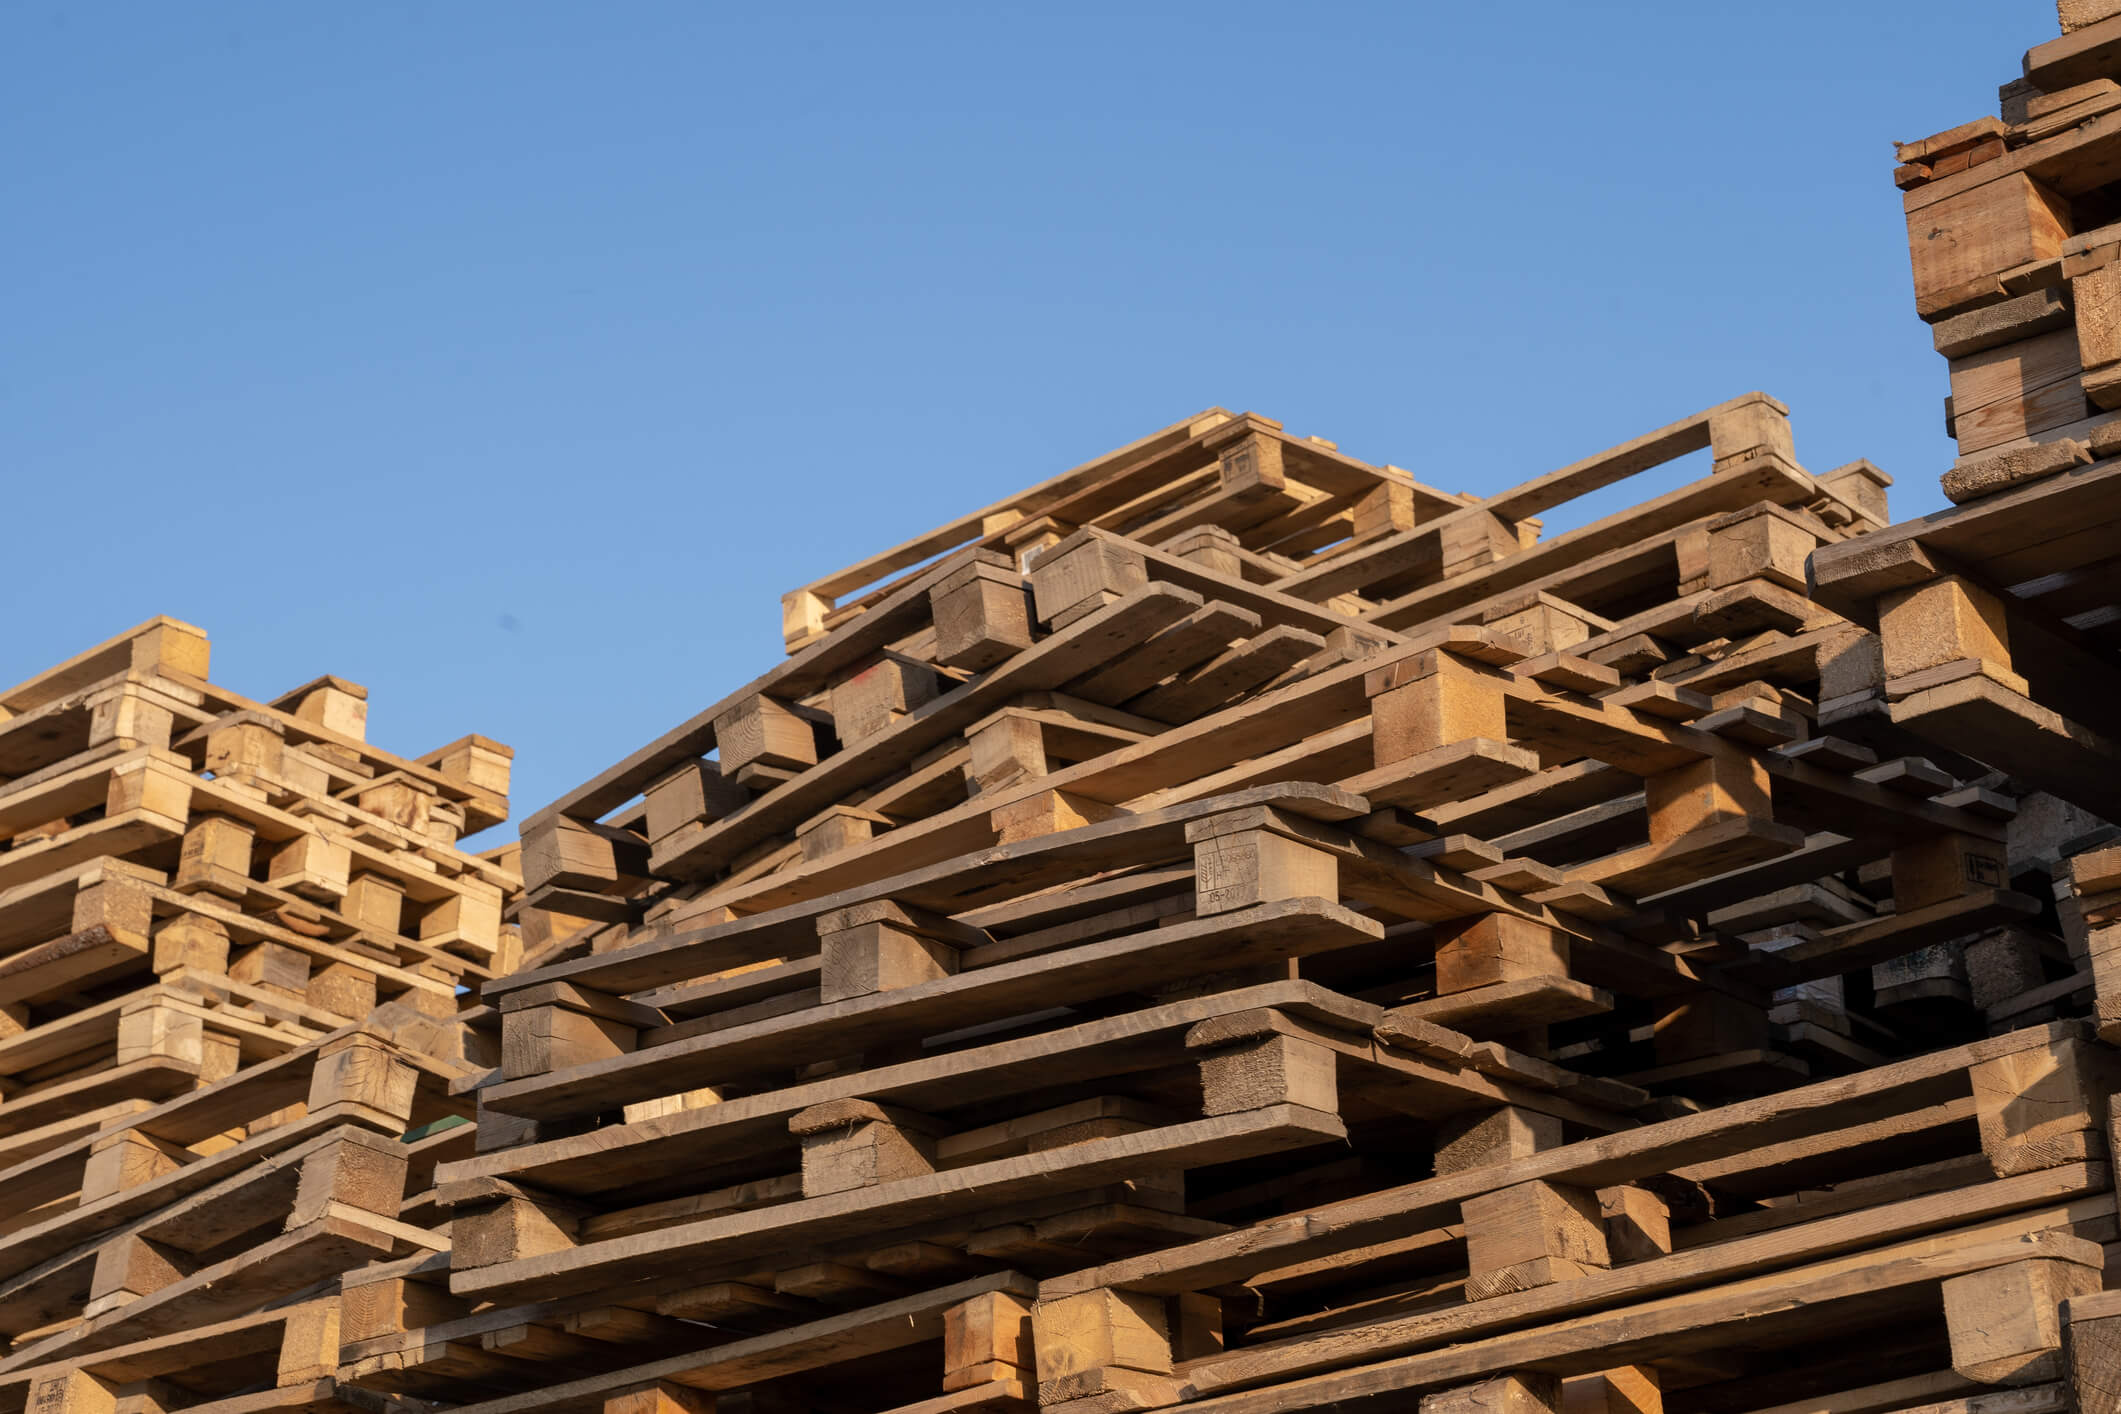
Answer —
(512, 359)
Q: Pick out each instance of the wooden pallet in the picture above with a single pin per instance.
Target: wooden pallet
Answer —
(233, 936)
(1035, 925)
(224, 1216)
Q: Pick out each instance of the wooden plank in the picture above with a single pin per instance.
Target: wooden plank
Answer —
(158, 645)
(1705, 1270)
(696, 851)
(1400, 1211)
(1763, 480)
(743, 1238)
(1678, 1324)
(1022, 867)
(890, 1325)
(754, 1128)
(1028, 502)
(695, 1056)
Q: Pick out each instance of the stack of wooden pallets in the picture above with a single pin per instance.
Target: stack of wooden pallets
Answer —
(1197, 943)
(188, 1254)
(2000, 619)
(1229, 927)
(234, 942)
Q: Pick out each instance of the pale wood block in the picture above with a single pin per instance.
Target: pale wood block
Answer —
(1525, 1393)
(1269, 1070)
(879, 957)
(337, 706)
(1945, 867)
(1497, 947)
(1258, 866)
(118, 905)
(274, 967)
(1452, 702)
(1100, 1329)
(1386, 507)
(1754, 426)
(882, 693)
(1863, 486)
(153, 786)
(585, 855)
(309, 1343)
(982, 616)
(2043, 1106)
(537, 1040)
(470, 917)
(1196, 1325)
(1728, 786)
(250, 751)
(1531, 1235)
(1943, 621)
(697, 1099)
(1005, 750)
(373, 903)
(127, 1159)
(850, 1144)
(402, 802)
(2091, 1349)
(763, 731)
(360, 1070)
(1961, 244)
(123, 713)
(1638, 1225)
(1252, 461)
(1091, 571)
(129, 1267)
(510, 1229)
(478, 762)
(1211, 547)
(1625, 1389)
(154, 1028)
(1543, 626)
(695, 791)
(838, 828)
(71, 1391)
(2106, 992)
(2006, 1322)
(152, 1396)
(662, 1397)
(362, 1170)
(1690, 553)
(343, 989)
(2077, 14)
(1993, 389)
(395, 1305)
(803, 617)
(215, 857)
(311, 866)
(1760, 543)
(1467, 542)
(168, 646)
(1496, 1136)
(1047, 812)
(2042, 409)
(987, 1338)
(303, 772)
(222, 1057)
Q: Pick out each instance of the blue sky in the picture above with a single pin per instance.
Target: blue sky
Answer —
(513, 359)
